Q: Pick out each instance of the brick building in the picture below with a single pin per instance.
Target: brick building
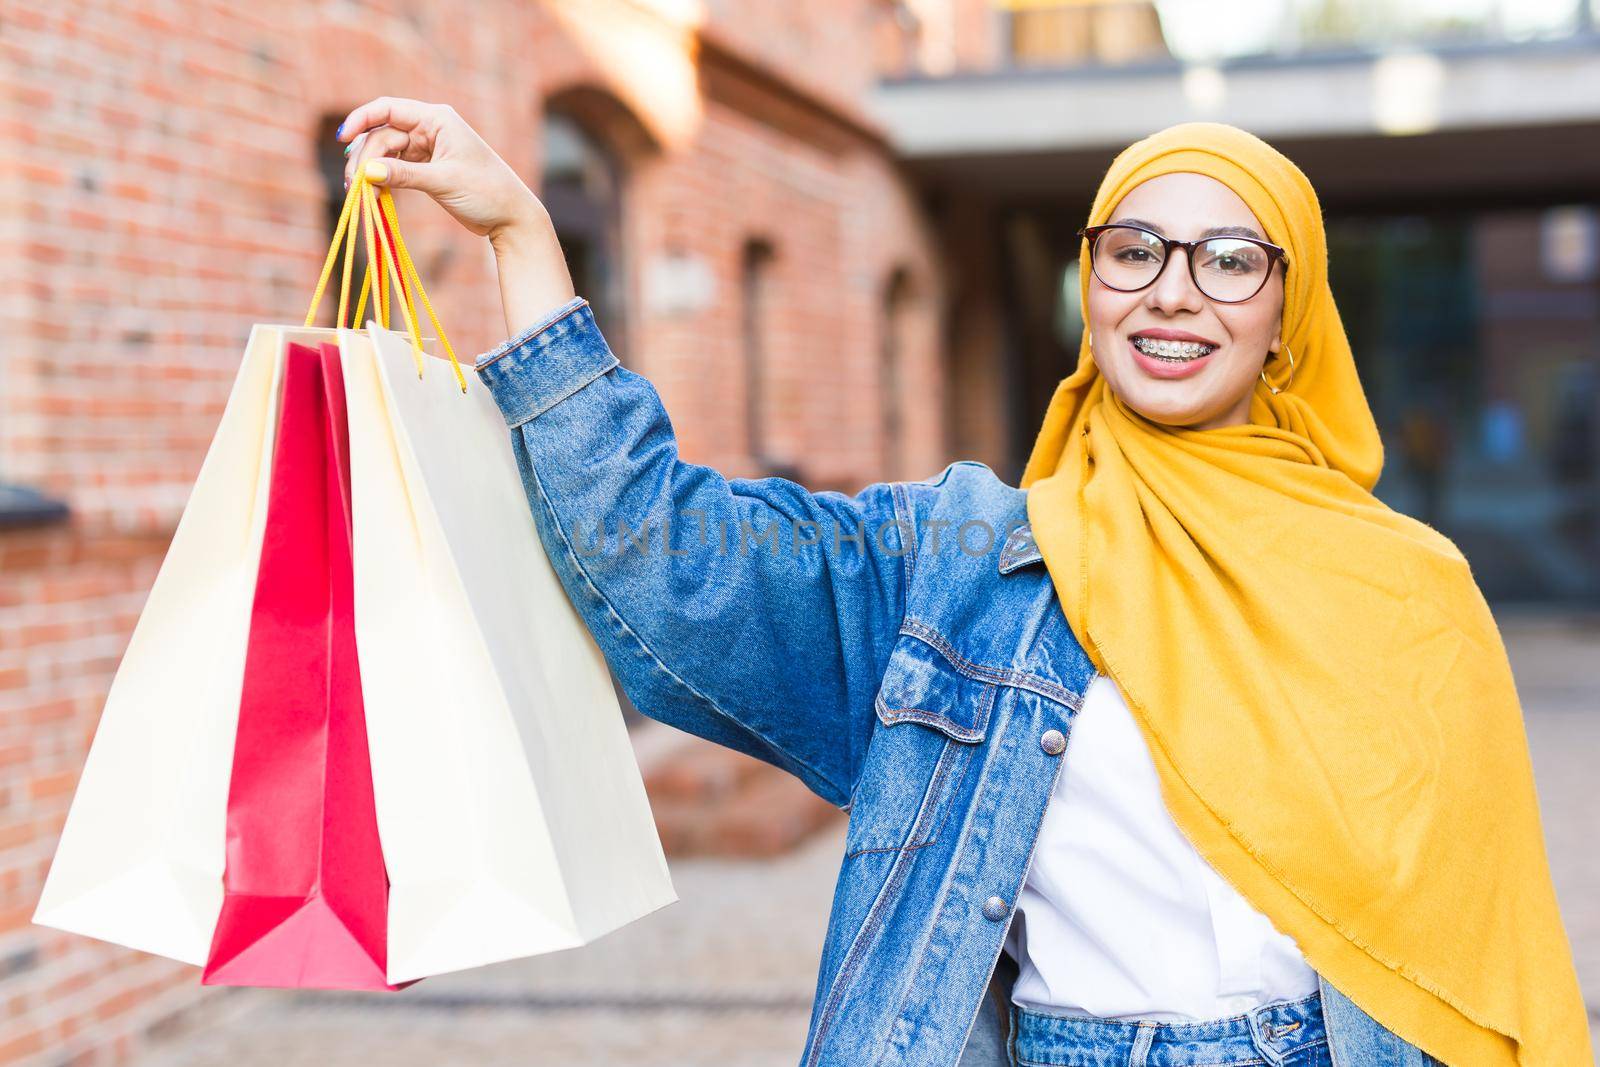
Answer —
(733, 213)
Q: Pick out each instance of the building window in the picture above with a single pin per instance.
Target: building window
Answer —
(891, 370)
(755, 293)
(1474, 331)
(330, 167)
(581, 187)
(1074, 32)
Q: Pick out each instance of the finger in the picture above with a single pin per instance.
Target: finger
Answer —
(383, 141)
(430, 178)
(399, 111)
(355, 147)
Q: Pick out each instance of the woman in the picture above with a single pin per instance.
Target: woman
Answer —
(1299, 819)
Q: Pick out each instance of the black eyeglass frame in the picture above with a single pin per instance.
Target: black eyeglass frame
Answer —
(1275, 254)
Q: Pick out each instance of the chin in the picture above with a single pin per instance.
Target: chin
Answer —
(1170, 410)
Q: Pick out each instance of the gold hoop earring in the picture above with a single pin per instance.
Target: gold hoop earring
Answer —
(1276, 389)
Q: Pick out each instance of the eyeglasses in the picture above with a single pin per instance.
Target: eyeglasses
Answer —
(1229, 270)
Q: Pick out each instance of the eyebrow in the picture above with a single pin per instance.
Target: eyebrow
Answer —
(1214, 231)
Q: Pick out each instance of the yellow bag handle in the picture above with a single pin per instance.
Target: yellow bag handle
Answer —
(381, 257)
(385, 260)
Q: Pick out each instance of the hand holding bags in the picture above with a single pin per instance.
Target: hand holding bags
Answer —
(510, 811)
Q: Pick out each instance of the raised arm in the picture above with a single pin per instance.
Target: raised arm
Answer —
(748, 611)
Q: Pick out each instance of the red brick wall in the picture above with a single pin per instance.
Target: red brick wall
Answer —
(159, 193)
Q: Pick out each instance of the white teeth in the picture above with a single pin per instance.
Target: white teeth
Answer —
(1174, 350)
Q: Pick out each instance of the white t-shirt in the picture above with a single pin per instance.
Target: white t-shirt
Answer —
(1120, 917)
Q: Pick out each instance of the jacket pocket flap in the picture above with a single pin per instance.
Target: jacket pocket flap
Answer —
(922, 685)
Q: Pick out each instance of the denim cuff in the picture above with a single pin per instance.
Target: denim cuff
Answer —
(546, 363)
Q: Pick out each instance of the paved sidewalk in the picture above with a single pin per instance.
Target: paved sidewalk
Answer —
(721, 978)
(724, 977)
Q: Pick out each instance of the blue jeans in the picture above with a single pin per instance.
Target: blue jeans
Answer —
(1278, 1034)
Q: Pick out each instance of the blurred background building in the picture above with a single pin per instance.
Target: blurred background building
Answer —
(1455, 148)
(838, 236)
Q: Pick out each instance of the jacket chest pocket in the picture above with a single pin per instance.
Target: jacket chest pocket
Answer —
(932, 721)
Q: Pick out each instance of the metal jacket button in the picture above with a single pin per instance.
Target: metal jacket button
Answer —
(995, 909)
(1053, 742)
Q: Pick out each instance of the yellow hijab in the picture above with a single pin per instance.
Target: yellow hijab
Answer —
(1322, 688)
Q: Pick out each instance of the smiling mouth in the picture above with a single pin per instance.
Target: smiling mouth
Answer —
(1173, 351)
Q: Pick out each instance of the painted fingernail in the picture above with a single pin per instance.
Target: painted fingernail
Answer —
(340, 131)
(348, 147)
(376, 171)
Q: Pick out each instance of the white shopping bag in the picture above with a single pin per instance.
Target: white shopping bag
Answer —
(510, 805)
(140, 859)
(511, 811)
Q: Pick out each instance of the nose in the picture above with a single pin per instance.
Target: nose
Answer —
(1175, 290)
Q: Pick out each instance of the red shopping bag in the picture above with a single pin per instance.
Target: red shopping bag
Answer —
(306, 894)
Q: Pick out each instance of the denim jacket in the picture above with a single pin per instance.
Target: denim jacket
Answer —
(901, 651)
